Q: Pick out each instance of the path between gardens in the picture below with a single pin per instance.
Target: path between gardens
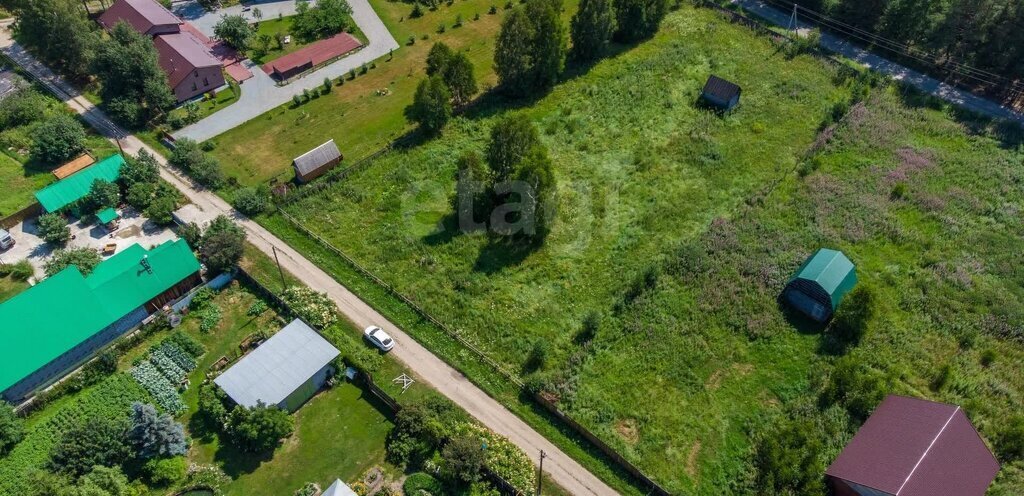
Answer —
(850, 50)
(562, 469)
(261, 93)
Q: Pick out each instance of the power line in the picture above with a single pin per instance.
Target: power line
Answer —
(979, 75)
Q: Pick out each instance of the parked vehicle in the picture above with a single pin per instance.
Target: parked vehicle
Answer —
(6, 240)
(379, 338)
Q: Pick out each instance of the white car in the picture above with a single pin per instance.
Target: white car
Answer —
(379, 338)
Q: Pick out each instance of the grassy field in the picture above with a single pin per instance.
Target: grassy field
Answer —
(354, 115)
(641, 169)
(10, 287)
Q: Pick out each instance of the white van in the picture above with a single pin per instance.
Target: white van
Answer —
(6, 240)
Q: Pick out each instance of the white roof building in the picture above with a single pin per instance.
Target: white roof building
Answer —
(339, 489)
(286, 370)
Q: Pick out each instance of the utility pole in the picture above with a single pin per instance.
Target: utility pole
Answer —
(540, 472)
(792, 19)
(280, 271)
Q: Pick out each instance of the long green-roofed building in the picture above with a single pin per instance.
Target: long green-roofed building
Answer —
(51, 328)
(820, 284)
(66, 192)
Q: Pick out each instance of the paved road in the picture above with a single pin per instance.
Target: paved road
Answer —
(205, 20)
(920, 81)
(565, 471)
(261, 94)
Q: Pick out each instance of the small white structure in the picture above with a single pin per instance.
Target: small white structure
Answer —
(286, 370)
(339, 489)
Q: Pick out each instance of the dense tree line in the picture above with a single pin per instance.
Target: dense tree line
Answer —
(985, 34)
(133, 87)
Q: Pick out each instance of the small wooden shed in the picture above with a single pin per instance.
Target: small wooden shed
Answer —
(316, 162)
(820, 284)
(721, 93)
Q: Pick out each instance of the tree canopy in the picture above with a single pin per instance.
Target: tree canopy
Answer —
(134, 87)
(155, 435)
(58, 31)
(638, 19)
(327, 18)
(12, 428)
(85, 259)
(531, 47)
(260, 428)
(235, 31)
(58, 140)
(98, 441)
(591, 28)
(222, 244)
(431, 105)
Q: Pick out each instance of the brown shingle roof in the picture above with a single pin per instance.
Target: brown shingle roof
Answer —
(182, 53)
(914, 447)
(142, 15)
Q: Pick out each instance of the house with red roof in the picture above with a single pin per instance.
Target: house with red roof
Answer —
(187, 59)
(914, 447)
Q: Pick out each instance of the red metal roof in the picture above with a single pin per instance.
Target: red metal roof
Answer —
(182, 53)
(316, 53)
(142, 15)
(914, 447)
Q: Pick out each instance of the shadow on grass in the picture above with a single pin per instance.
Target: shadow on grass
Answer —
(236, 462)
(1009, 134)
(500, 254)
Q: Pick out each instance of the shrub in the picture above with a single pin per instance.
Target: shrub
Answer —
(297, 100)
(315, 308)
(259, 429)
(192, 234)
(86, 259)
(538, 355)
(222, 245)
(417, 11)
(140, 195)
(211, 405)
(257, 308)
(588, 331)
(53, 228)
(161, 210)
(1009, 441)
(853, 316)
(493, 10)
(201, 298)
(12, 428)
(98, 441)
(328, 86)
(58, 140)
(163, 472)
(789, 460)
(988, 357)
(463, 459)
(855, 386)
(22, 271)
(252, 201)
(307, 489)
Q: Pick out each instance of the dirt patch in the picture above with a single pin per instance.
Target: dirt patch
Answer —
(628, 430)
(129, 232)
(691, 460)
(740, 369)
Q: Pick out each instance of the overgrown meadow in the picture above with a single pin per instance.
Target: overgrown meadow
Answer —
(641, 169)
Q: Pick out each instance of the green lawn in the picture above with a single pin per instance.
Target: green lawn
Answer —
(354, 115)
(10, 287)
(20, 183)
(282, 27)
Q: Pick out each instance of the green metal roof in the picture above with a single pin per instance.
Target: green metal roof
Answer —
(831, 270)
(54, 316)
(67, 191)
(106, 215)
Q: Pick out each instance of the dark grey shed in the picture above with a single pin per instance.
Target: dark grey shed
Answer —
(316, 162)
(721, 93)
